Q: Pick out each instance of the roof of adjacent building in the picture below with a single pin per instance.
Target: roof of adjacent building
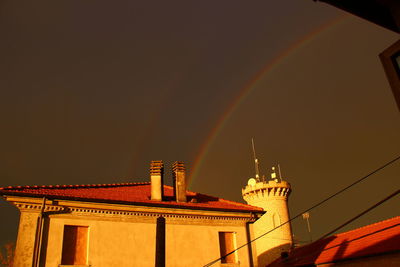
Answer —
(371, 240)
(376, 11)
(126, 193)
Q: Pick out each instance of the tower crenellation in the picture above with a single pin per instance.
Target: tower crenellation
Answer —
(256, 192)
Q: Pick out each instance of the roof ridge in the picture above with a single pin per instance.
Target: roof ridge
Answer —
(226, 200)
(367, 226)
(131, 193)
(237, 203)
(20, 187)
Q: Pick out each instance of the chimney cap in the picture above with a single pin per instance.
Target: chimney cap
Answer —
(156, 167)
(179, 178)
(178, 166)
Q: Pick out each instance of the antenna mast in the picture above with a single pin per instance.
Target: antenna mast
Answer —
(255, 161)
(280, 174)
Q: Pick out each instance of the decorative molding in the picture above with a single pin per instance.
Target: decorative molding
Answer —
(271, 189)
(54, 211)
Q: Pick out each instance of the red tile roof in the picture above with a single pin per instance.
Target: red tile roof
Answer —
(127, 193)
(374, 239)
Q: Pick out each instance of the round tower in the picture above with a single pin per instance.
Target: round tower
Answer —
(272, 196)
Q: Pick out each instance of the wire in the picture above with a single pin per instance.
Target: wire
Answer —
(309, 209)
(361, 214)
(298, 258)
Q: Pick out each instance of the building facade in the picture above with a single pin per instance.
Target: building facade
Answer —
(131, 224)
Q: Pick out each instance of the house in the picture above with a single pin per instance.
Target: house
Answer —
(385, 13)
(376, 244)
(130, 224)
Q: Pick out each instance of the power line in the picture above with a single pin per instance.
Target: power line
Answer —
(309, 209)
(361, 214)
(297, 258)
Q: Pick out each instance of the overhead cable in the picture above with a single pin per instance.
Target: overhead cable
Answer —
(309, 209)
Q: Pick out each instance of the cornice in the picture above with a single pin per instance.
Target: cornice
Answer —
(61, 208)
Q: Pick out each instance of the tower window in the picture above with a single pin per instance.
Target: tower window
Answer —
(227, 244)
(74, 250)
(276, 220)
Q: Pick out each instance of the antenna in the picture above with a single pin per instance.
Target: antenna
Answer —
(280, 174)
(255, 161)
(306, 216)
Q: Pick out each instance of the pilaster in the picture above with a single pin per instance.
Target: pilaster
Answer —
(24, 249)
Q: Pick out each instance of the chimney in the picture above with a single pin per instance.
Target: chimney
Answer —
(178, 173)
(157, 179)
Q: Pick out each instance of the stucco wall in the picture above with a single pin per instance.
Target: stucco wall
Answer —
(271, 245)
(26, 239)
(127, 242)
(110, 243)
(197, 245)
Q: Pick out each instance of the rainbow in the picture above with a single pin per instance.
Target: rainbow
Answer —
(250, 85)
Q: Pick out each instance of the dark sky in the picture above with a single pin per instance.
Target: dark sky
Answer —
(91, 91)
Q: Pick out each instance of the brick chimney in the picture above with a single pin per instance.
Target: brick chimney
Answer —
(157, 179)
(179, 177)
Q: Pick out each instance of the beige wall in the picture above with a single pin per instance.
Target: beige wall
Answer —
(271, 245)
(110, 243)
(26, 239)
(199, 244)
(113, 243)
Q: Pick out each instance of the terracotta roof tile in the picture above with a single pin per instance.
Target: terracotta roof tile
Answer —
(126, 193)
(374, 239)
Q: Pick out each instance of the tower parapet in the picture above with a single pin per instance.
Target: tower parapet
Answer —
(258, 191)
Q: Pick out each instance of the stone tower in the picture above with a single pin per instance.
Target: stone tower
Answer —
(272, 196)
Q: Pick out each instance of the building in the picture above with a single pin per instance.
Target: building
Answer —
(271, 195)
(376, 244)
(130, 224)
(152, 224)
(385, 13)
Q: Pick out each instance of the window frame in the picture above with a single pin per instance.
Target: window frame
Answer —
(86, 262)
(391, 66)
(235, 255)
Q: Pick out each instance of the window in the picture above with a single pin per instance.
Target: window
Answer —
(74, 250)
(276, 220)
(227, 244)
(390, 59)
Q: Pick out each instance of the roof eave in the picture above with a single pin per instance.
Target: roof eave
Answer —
(376, 12)
(134, 203)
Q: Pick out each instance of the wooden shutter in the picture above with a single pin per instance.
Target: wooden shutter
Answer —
(74, 251)
(226, 245)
